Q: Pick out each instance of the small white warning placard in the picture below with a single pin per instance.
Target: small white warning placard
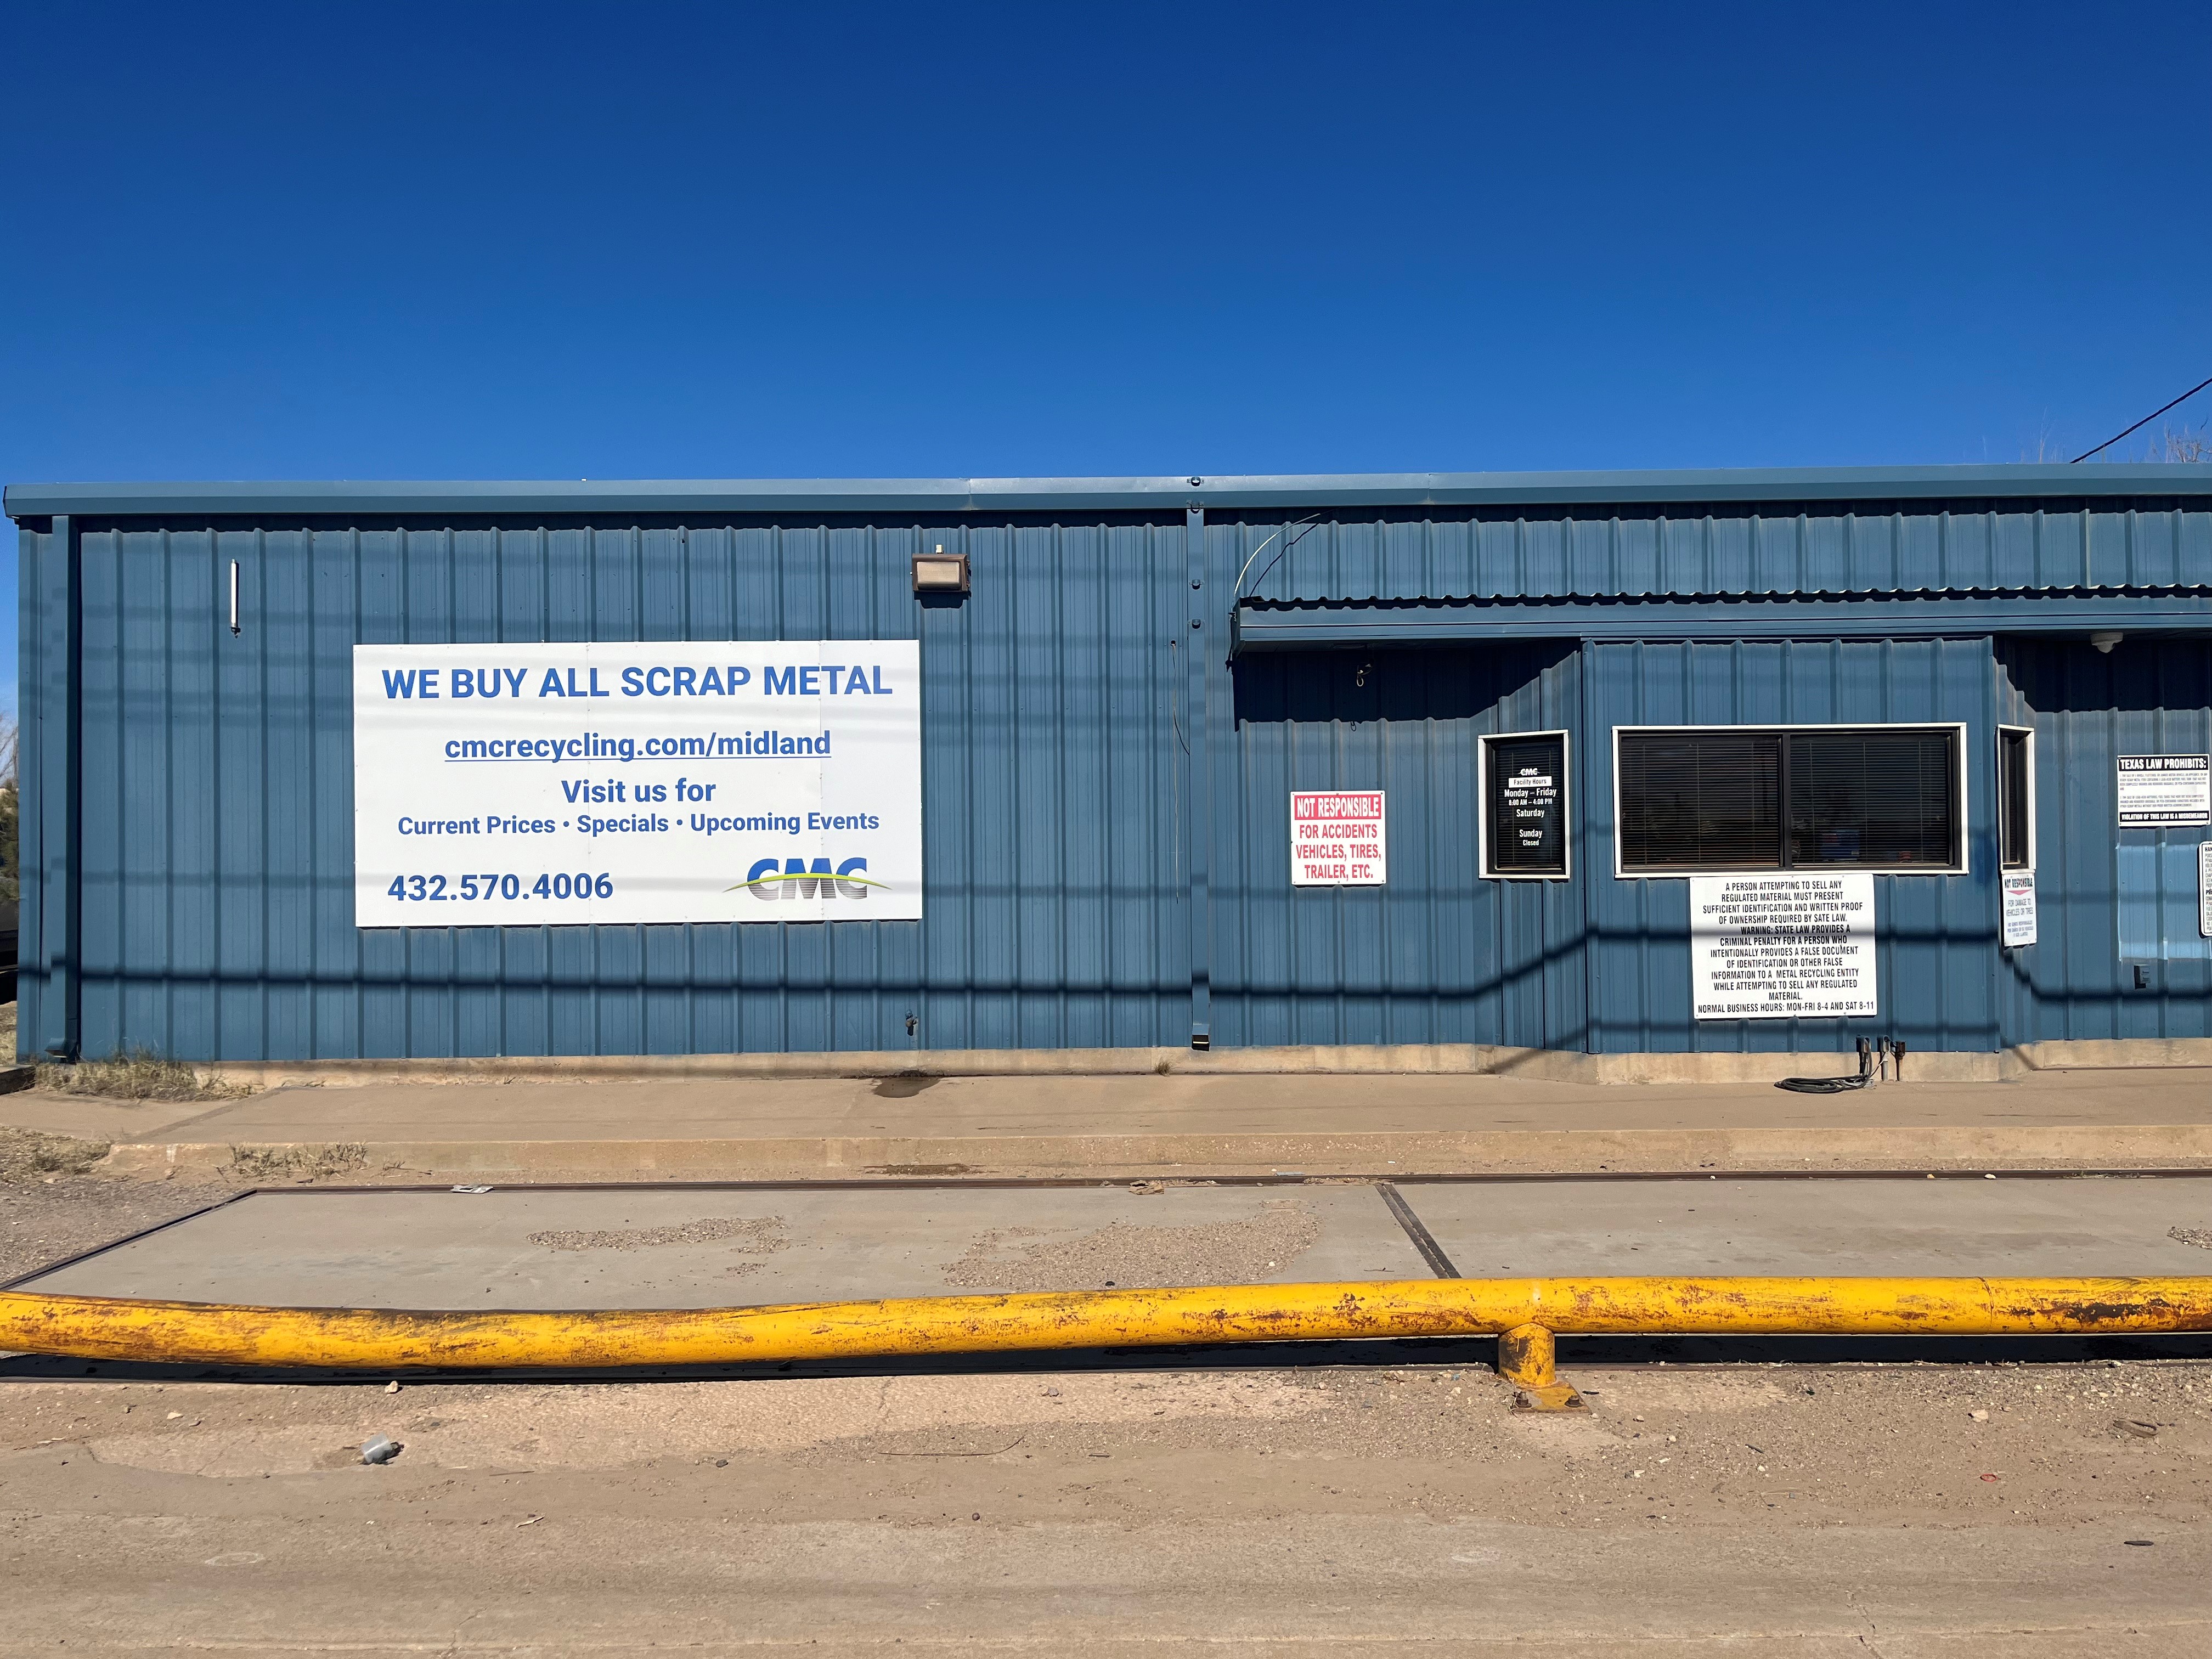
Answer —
(1336, 839)
(1783, 946)
(2018, 907)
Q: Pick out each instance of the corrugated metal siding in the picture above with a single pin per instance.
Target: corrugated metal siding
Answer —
(1437, 954)
(2147, 696)
(39, 1017)
(1935, 934)
(1415, 553)
(218, 822)
(217, 828)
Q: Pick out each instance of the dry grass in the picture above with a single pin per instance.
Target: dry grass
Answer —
(27, 1154)
(141, 1074)
(297, 1164)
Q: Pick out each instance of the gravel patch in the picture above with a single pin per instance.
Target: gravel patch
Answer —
(1123, 1255)
(45, 1221)
(760, 1237)
(28, 1155)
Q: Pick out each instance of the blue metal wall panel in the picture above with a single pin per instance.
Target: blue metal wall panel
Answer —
(2146, 696)
(1866, 547)
(216, 829)
(1934, 934)
(1436, 955)
(217, 793)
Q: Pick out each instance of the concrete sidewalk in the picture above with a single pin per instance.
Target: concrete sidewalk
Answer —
(562, 1248)
(1137, 1125)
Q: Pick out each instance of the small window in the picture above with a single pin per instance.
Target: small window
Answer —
(2016, 796)
(1524, 782)
(1734, 798)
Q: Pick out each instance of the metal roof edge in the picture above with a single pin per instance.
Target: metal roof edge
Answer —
(1378, 489)
(1747, 599)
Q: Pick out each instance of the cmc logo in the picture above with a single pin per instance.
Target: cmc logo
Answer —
(785, 879)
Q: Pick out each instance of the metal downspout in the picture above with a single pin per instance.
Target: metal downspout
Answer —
(1199, 777)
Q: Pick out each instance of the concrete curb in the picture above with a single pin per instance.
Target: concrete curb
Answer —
(1516, 1152)
(1464, 1058)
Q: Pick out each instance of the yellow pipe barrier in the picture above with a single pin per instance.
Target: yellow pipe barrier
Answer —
(358, 1339)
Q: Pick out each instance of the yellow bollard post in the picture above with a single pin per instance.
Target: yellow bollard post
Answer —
(1526, 1357)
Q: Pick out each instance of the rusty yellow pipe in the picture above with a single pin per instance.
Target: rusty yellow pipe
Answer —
(97, 1328)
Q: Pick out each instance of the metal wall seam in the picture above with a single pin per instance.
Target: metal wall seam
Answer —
(1198, 771)
(60, 777)
(30, 762)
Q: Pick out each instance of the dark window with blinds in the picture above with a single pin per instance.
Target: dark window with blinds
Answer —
(2015, 803)
(1732, 798)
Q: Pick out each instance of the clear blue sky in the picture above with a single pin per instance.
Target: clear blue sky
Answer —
(508, 241)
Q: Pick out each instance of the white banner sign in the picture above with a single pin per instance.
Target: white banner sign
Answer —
(551, 784)
(2019, 907)
(2204, 889)
(2153, 791)
(1783, 946)
(1336, 839)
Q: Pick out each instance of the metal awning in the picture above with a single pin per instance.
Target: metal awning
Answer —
(1323, 624)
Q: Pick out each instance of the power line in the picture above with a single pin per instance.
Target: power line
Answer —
(2145, 421)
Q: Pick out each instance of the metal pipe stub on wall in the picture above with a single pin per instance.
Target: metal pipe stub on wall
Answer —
(1524, 1313)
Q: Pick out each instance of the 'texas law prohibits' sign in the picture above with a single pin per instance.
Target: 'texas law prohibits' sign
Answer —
(549, 784)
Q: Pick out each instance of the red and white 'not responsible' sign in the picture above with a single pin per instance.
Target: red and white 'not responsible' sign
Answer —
(1336, 839)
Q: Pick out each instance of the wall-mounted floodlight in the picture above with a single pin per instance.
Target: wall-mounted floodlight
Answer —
(2104, 643)
(940, 572)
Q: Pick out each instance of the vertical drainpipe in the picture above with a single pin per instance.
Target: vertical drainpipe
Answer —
(1198, 783)
(60, 777)
(1586, 741)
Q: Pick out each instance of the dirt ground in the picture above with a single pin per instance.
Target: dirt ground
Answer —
(1374, 1498)
(1769, 1508)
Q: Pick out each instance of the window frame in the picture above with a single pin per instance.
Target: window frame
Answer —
(1960, 838)
(1483, 740)
(1997, 787)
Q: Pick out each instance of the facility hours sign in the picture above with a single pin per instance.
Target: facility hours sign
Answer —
(549, 784)
(1783, 945)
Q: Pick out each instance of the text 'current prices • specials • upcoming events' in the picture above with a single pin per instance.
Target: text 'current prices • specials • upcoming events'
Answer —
(546, 784)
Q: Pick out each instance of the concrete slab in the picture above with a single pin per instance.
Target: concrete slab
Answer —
(2105, 1225)
(937, 1108)
(704, 1129)
(649, 1248)
(619, 1246)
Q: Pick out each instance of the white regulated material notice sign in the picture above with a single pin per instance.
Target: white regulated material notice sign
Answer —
(1784, 945)
(2019, 907)
(2152, 792)
(550, 784)
(2204, 889)
(1337, 839)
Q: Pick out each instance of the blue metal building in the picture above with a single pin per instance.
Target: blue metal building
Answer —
(1115, 716)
